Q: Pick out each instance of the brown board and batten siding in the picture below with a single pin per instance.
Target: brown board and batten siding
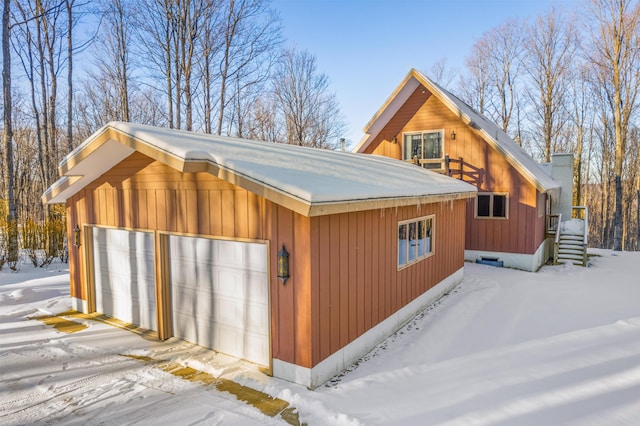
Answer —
(423, 111)
(356, 281)
(344, 275)
(140, 193)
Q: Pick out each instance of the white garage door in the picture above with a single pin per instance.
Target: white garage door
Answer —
(124, 275)
(220, 295)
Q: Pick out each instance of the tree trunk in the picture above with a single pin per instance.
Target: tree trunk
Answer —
(12, 217)
(207, 93)
(123, 55)
(577, 169)
(53, 99)
(638, 215)
(70, 75)
(46, 152)
(169, 77)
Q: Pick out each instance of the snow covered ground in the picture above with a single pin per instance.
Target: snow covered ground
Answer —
(561, 346)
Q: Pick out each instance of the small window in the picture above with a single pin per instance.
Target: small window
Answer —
(490, 205)
(415, 240)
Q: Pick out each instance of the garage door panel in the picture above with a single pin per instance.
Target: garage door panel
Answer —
(228, 253)
(190, 303)
(242, 315)
(220, 295)
(191, 329)
(249, 345)
(256, 288)
(229, 283)
(124, 275)
(255, 257)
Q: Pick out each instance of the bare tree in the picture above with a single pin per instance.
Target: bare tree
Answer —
(493, 71)
(442, 73)
(251, 34)
(550, 45)
(580, 106)
(475, 86)
(39, 44)
(211, 45)
(113, 62)
(638, 203)
(505, 60)
(70, 23)
(615, 50)
(264, 123)
(156, 36)
(9, 183)
(309, 110)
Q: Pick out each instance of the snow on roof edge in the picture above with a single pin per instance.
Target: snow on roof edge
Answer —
(352, 178)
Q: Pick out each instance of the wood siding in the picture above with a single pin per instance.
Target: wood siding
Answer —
(521, 232)
(356, 281)
(140, 193)
(344, 276)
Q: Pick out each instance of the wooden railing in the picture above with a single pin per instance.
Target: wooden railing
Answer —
(556, 242)
(582, 212)
(553, 221)
(454, 167)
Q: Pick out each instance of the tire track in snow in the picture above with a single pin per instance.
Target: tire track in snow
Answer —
(72, 396)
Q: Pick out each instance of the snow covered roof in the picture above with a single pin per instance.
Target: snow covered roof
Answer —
(488, 130)
(309, 181)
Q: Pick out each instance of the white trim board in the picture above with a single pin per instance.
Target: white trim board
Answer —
(79, 305)
(343, 358)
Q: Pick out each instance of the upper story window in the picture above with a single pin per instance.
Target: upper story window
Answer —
(426, 147)
(415, 240)
(492, 205)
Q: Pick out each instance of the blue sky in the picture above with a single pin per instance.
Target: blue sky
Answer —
(367, 47)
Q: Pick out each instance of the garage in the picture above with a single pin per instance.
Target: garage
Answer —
(123, 265)
(282, 255)
(220, 295)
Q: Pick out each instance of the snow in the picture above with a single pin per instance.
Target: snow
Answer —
(314, 176)
(572, 226)
(561, 346)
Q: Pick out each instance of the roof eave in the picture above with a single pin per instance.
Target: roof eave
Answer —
(347, 206)
(387, 111)
(71, 182)
(524, 171)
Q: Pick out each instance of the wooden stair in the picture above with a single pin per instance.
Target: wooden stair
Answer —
(571, 249)
(570, 244)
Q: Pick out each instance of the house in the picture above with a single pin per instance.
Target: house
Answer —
(298, 259)
(508, 220)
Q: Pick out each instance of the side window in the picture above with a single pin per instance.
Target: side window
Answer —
(415, 240)
(492, 205)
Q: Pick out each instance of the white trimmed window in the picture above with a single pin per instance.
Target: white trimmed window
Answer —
(492, 205)
(426, 146)
(415, 240)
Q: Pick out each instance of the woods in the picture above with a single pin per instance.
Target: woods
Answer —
(568, 81)
(565, 81)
